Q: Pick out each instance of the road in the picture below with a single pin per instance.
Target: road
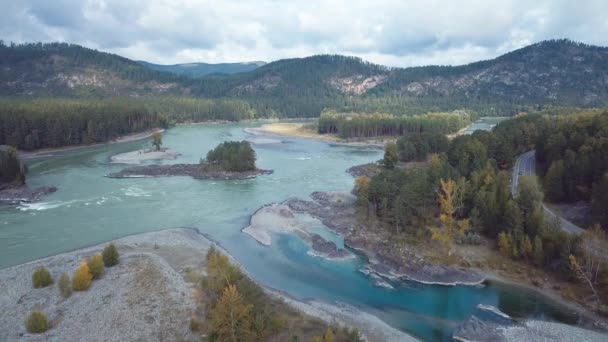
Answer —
(525, 165)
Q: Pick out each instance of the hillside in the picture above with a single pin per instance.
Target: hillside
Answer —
(551, 73)
(59, 69)
(196, 70)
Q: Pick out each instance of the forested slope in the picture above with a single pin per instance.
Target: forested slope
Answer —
(546, 74)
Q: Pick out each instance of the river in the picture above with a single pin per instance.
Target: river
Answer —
(89, 208)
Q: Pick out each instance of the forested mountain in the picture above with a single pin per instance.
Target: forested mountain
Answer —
(60, 69)
(547, 74)
(196, 70)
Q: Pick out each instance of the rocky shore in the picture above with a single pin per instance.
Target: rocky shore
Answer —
(279, 218)
(23, 193)
(368, 170)
(147, 297)
(336, 210)
(490, 324)
(192, 170)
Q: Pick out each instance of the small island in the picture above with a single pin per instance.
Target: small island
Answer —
(229, 160)
(13, 189)
(136, 157)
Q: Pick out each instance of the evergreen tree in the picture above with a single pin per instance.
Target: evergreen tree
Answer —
(390, 156)
(554, 181)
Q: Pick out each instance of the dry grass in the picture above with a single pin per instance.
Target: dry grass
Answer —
(300, 130)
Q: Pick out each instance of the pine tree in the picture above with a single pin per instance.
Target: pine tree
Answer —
(554, 181)
(390, 156)
(157, 140)
(505, 244)
(539, 254)
(110, 255)
(526, 247)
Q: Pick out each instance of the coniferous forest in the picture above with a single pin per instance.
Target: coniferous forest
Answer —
(474, 171)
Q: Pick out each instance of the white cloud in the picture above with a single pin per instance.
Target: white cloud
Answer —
(392, 32)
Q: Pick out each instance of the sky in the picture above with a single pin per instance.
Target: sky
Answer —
(388, 32)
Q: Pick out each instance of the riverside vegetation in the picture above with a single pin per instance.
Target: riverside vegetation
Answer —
(466, 184)
(232, 307)
(88, 270)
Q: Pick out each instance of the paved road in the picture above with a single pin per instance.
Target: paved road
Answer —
(525, 165)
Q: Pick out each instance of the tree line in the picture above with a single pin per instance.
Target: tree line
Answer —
(471, 178)
(572, 153)
(56, 122)
(359, 125)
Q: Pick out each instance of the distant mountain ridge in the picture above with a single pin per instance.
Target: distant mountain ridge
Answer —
(549, 73)
(202, 69)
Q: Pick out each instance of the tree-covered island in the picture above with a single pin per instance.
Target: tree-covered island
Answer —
(229, 160)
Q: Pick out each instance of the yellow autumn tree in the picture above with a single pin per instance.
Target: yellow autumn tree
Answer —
(593, 257)
(82, 277)
(449, 228)
(361, 190)
(96, 267)
(505, 244)
(220, 273)
(231, 318)
(328, 336)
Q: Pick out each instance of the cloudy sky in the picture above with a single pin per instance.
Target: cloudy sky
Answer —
(390, 32)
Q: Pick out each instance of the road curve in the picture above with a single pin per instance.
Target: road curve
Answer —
(525, 165)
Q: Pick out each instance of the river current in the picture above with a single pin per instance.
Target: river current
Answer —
(89, 208)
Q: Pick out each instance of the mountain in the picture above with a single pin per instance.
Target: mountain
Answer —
(196, 70)
(549, 73)
(60, 69)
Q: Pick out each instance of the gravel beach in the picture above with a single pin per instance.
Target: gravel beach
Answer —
(144, 298)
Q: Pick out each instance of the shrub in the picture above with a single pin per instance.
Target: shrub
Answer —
(41, 278)
(64, 285)
(110, 255)
(37, 323)
(95, 264)
(82, 277)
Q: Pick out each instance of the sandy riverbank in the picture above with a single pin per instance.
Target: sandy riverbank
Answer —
(146, 297)
(136, 157)
(304, 131)
(49, 152)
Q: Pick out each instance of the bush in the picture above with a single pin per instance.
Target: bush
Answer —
(110, 255)
(64, 285)
(41, 278)
(37, 323)
(95, 264)
(82, 277)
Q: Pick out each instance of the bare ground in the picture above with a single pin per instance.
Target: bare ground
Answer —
(147, 297)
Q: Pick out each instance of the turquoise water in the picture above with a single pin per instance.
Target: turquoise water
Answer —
(90, 208)
(484, 123)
